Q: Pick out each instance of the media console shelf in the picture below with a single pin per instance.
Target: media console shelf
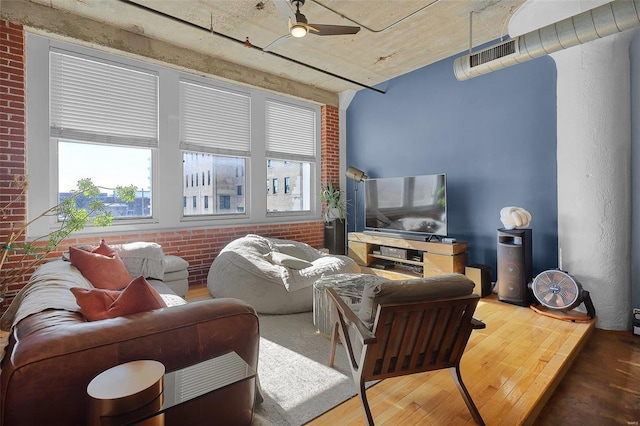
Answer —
(434, 258)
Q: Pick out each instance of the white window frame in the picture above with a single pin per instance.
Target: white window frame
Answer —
(167, 173)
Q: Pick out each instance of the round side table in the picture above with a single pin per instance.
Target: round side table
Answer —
(125, 393)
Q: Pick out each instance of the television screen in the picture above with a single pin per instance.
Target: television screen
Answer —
(414, 204)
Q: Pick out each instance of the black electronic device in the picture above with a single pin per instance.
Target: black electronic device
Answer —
(393, 252)
(413, 207)
(381, 264)
(515, 266)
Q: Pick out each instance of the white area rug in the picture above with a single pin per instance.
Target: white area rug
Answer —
(296, 381)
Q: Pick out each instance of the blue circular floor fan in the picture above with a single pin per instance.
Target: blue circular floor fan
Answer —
(559, 293)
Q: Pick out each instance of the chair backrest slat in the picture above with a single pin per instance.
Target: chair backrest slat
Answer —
(452, 335)
(419, 336)
(410, 340)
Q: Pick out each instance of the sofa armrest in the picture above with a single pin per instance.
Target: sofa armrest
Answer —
(55, 354)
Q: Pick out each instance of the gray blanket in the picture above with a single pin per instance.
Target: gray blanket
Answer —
(52, 282)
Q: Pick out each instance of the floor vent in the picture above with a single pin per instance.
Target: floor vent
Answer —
(493, 53)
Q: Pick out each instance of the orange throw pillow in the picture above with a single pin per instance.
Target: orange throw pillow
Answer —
(104, 249)
(98, 304)
(103, 271)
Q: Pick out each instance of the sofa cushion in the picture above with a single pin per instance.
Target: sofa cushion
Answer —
(174, 264)
(104, 271)
(98, 304)
(142, 258)
(412, 290)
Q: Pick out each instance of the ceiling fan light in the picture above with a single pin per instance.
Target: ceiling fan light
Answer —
(298, 31)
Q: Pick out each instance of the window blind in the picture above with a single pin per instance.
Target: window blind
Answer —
(100, 102)
(290, 131)
(214, 120)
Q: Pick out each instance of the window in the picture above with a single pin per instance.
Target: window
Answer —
(78, 160)
(206, 201)
(93, 101)
(215, 124)
(287, 184)
(291, 146)
(224, 182)
(275, 186)
(225, 202)
(103, 116)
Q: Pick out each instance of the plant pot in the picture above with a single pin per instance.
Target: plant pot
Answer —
(334, 236)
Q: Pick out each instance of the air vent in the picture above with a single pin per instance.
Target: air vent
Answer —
(493, 53)
(610, 18)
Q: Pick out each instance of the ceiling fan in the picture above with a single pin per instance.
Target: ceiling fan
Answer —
(299, 26)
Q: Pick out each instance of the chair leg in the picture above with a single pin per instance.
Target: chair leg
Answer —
(362, 393)
(334, 342)
(455, 373)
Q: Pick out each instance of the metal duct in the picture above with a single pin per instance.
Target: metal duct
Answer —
(610, 18)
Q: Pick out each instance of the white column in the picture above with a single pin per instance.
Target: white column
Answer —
(594, 167)
(594, 173)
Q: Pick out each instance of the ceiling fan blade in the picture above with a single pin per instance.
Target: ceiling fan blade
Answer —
(325, 30)
(284, 8)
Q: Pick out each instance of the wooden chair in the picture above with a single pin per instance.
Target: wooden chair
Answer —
(406, 338)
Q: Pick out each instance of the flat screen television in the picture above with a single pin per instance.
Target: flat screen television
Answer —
(415, 205)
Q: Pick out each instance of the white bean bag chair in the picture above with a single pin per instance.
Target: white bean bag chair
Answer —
(275, 276)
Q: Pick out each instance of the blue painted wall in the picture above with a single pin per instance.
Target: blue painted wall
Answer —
(494, 136)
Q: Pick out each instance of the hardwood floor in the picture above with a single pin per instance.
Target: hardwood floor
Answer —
(197, 292)
(601, 387)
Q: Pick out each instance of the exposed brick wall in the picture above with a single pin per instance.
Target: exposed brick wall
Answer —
(198, 246)
(330, 134)
(12, 132)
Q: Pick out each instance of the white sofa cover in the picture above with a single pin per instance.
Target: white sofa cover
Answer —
(241, 270)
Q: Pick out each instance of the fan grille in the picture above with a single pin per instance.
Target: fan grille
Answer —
(556, 289)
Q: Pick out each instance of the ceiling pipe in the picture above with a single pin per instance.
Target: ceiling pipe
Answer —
(602, 21)
(247, 44)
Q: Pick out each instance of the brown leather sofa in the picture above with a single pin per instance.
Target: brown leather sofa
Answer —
(53, 355)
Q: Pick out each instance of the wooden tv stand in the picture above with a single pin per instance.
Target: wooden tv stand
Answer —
(423, 259)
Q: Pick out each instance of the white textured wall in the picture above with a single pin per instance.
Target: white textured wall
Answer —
(635, 172)
(594, 167)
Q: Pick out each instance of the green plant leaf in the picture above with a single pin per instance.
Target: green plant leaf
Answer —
(103, 219)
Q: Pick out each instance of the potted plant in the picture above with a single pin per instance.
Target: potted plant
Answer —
(334, 207)
(334, 215)
(18, 257)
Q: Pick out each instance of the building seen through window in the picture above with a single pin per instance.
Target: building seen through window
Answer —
(296, 177)
(225, 175)
(80, 160)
